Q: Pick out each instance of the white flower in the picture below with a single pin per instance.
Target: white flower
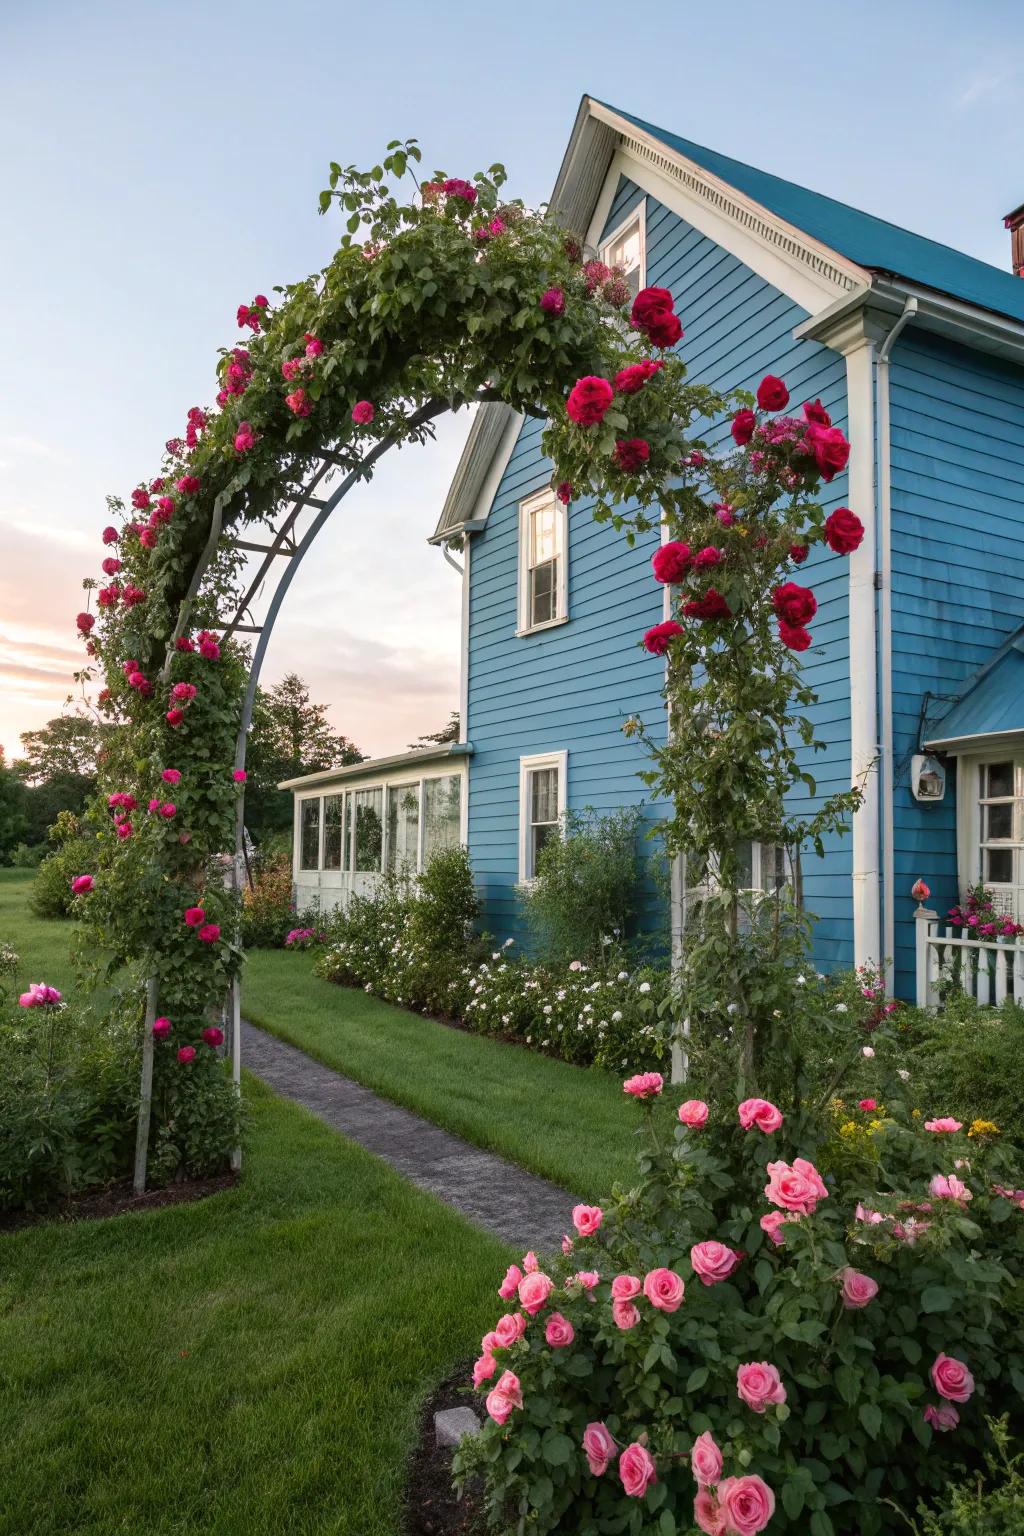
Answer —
(801, 981)
(575, 965)
(732, 1008)
(868, 1052)
(903, 1074)
(623, 976)
(645, 986)
(841, 1008)
(547, 1007)
(507, 943)
(617, 1016)
(496, 955)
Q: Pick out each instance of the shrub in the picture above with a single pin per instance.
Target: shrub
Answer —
(992, 1507)
(201, 1121)
(970, 1059)
(73, 855)
(583, 900)
(27, 856)
(268, 911)
(444, 905)
(801, 1343)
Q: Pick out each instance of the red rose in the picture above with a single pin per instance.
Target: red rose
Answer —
(634, 377)
(649, 304)
(564, 492)
(743, 424)
(794, 605)
(657, 639)
(798, 553)
(772, 394)
(671, 562)
(708, 556)
(829, 449)
(630, 453)
(843, 531)
(794, 635)
(711, 606)
(85, 622)
(588, 400)
(175, 716)
(815, 411)
(665, 331)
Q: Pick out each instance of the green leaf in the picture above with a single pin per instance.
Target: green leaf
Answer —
(792, 1497)
(542, 1491)
(936, 1298)
(697, 1378)
(666, 1523)
(848, 1383)
(556, 1448)
(325, 200)
(870, 1416)
(820, 1524)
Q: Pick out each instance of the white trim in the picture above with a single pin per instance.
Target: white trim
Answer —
(497, 467)
(527, 765)
(464, 645)
(530, 504)
(968, 840)
(636, 215)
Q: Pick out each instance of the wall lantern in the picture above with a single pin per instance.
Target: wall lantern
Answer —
(927, 778)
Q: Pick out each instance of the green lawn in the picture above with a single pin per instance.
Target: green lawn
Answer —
(569, 1124)
(42, 946)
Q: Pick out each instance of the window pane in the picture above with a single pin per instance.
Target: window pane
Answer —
(999, 865)
(543, 581)
(998, 821)
(310, 847)
(544, 795)
(346, 835)
(624, 252)
(542, 835)
(332, 831)
(998, 779)
(403, 827)
(542, 534)
(773, 867)
(442, 806)
(745, 865)
(369, 804)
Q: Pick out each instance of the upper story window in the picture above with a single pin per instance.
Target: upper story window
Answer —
(542, 785)
(543, 563)
(626, 247)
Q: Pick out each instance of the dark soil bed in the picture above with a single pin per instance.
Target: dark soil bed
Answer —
(431, 1506)
(117, 1199)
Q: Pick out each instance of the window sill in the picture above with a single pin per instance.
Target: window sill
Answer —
(537, 629)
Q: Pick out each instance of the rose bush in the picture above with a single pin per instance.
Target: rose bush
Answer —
(754, 1347)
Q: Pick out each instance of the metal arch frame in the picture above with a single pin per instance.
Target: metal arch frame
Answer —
(282, 544)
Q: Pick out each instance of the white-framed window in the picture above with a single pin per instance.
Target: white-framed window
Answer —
(309, 833)
(997, 814)
(626, 247)
(543, 562)
(333, 830)
(369, 830)
(542, 786)
(763, 871)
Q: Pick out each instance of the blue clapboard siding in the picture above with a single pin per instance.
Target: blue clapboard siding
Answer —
(571, 687)
(957, 572)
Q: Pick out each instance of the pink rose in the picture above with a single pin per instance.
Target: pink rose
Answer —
(950, 1188)
(530, 1262)
(624, 1315)
(625, 1287)
(567, 1244)
(770, 1224)
(946, 1125)
(509, 1329)
(239, 775)
(942, 1417)
(586, 1279)
(362, 413)
(484, 1369)
(637, 1470)
(504, 1397)
(797, 1188)
(559, 1331)
(508, 1287)
(694, 1113)
(865, 1213)
(213, 1036)
(209, 933)
(586, 1219)
(951, 1378)
(81, 884)
(759, 1113)
(664, 1289)
(186, 1054)
(161, 1027)
(747, 1503)
(708, 1514)
(759, 1384)
(706, 1460)
(171, 776)
(644, 1085)
(713, 1261)
(858, 1289)
(599, 1447)
(194, 916)
(534, 1290)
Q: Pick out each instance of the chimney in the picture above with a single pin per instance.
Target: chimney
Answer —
(1014, 222)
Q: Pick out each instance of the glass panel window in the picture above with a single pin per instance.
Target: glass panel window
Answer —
(403, 827)
(1001, 832)
(543, 812)
(309, 848)
(626, 250)
(543, 563)
(442, 814)
(346, 833)
(369, 808)
(332, 831)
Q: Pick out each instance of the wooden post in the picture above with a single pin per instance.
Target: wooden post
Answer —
(680, 1060)
(146, 1090)
(924, 920)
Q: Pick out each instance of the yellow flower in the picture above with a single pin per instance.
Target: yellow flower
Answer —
(915, 1114)
(875, 1125)
(983, 1128)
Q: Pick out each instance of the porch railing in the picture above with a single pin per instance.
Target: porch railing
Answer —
(989, 970)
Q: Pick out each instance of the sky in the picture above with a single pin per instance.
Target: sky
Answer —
(161, 164)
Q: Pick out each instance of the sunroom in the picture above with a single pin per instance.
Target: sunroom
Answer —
(389, 814)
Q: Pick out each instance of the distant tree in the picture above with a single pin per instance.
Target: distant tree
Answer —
(13, 822)
(290, 736)
(65, 747)
(449, 732)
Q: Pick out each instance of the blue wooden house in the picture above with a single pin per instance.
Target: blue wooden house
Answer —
(918, 659)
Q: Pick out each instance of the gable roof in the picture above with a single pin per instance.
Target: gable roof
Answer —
(991, 702)
(871, 242)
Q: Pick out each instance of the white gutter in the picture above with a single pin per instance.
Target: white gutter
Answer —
(885, 624)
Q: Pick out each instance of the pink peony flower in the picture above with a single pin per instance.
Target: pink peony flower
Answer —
(637, 1470)
(858, 1289)
(559, 1331)
(567, 1244)
(239, 775)
(510, 1285)
(39, 995)
(599, 1448)
(456, 187)
(110, 566)
(644, 1085)
(797, 1188)
(624, 1315)
(867, 1104)
(942, 1417)
(363, 413)
(186, 1054)
(504, 1397)
(124, 830)
(162, 1027)
(950, 1188)
(664, 1289)
(212, 1036)
(194, 916)
(534, 1290)
(709, 556)
(188, 485)
(184, 693)
(708, 1514)
(586, 1219)
(694, 1113)
(759, 1384)
(209, 933)
(167, 810)
(81, 884)
(759, 1113)
(552, 301)
(508, 1330)
(713, 1261)
(171, 776)
(951, 1378)
(946, 1125)
(747, 1504)
(174, 716)
(484, 1369)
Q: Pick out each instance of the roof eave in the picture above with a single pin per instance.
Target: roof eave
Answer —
(956, 319)
(372, 765)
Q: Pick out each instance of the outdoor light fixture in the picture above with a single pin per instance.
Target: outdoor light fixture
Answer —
(927, 778)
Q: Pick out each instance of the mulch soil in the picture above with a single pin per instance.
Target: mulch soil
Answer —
(117, 1199)
(431, 1505)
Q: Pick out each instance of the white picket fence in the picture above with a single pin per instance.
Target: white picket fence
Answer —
(989, 970)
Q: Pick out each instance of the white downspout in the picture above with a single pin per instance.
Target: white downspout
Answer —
(885, 624)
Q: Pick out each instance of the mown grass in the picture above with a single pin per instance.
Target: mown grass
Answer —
(569, 1124)
(43, 946)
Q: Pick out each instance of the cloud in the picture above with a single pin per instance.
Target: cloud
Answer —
(983, 85)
